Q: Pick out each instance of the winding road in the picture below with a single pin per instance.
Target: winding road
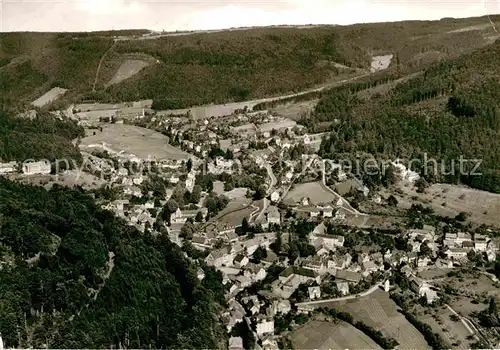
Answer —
(100, 64)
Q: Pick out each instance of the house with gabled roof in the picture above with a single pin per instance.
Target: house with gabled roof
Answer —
(219, 257)
(273, 216)
(314, 292)
(201, 242)
(349, 276)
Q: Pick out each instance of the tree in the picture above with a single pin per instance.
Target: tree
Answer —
(259, 254)
(168, 209)
(196, 194)
(421, 185)
(245, 227)
(228, 186)
(462, 216)
(392, 201)
(178, 194)
(187, 231)
(189, 165)
(276, 245)
(222, 202)
(199, 217)
(425, 250)
(210, 185)
(492, 307)
(187, 197)
(497, 268)
(260, 193)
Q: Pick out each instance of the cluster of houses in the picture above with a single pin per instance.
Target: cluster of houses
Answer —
(332, 259)
(458, 245)
(236, 256)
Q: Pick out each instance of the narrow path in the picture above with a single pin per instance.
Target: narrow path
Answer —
(345, 204)
(270, 190)
(462, 319)
(100, 64)
(110, 264)
(252, 214)
(349, 297)
(205, 111)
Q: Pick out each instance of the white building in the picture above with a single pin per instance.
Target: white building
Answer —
(480, 243)
(330, 241)
(405, 174)
(429, 294)
(343, 287)
(327, 211)
(282, 306)
(6, 168)
(264, 326)
(273, 216)
(457, 253)
(35, 168)
(456, 239)
(219, 257)
(236, 343)
(240, 260)
(314, 293)
(275, 196)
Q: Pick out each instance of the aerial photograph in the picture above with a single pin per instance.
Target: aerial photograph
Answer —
(250, 174)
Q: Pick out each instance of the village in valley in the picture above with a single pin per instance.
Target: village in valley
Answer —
(293, 237)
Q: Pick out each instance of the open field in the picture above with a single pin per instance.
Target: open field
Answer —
(236, 193)
(471, 285)
(49, 97)
(295, 111)
(127, 70)
(453, 332)
(433, 273)
(329, 335)
(380, 62)
(313, 190)
(379, 311)
(132, 140)
(464, 306)
(483, 206)
(235, 212)
(89, 107)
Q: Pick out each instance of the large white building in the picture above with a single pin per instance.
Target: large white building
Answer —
(35, 168)
(404, 173)
(6, 168)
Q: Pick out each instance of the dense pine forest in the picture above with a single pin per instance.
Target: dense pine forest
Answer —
(75, 276)
(43, 137)
(226, 66)
(450, 109)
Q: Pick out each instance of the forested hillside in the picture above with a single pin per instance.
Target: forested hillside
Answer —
(75, 276)
(44, 137)
(224, 66)
(449, 110)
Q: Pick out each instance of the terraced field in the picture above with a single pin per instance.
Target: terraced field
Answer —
(329, 335)
(379, 311)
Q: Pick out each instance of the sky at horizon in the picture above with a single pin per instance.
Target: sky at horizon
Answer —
(93, 15)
